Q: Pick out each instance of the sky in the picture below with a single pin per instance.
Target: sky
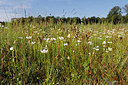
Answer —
(68, 8)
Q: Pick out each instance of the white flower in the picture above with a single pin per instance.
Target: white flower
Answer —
(94, 48)
(68, 57)
(104, 42)
(99, 38)
(93, 53)
(107, 36)
(1, 25)
(29, 37)
(97, 46)
(11, 48)
(44, 51)
(33, 43)
(61, 38)
(47, 39)
(34, 26)
(110, 42)
(90, 42)
(5, 27)
(104, 46)
(65, 44)
(97, 49)
(35, 31)
(53, 39)
(78, 41)
(109, 49)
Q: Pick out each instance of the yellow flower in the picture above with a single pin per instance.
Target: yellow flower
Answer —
(69, 36)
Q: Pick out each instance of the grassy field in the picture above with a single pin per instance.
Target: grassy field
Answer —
(64, 54)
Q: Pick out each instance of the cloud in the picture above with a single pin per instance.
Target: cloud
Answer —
(6, 15)
(11, 8)
(22, 7)
(1, 3)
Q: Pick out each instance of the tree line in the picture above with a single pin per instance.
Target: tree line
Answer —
(114, 16)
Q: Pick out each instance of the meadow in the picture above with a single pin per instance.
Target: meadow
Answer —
(64, 54)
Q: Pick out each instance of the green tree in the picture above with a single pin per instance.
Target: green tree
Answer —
(114, 15)
(83, 20)
(126, 8)
(30, 19)
(76, 20)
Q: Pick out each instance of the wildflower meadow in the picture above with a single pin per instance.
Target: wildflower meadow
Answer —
(64, 54)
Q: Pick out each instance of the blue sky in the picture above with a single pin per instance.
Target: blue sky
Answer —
(69, 8)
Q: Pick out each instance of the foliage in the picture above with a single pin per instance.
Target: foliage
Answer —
(126, 8)
(115, 15)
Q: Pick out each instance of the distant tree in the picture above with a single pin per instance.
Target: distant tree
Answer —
(114, 11)
(63, 20)
(39, 19)
(50, 19)
(98, 20)
(30, 19)
(22, 20)
(126, 8)
(116, 19)
(83, 20)
(125, 18)
(76, 20)
(114, 15)
(57, 19)
(70, 20)
(103, 20)
(93, 19)
(39, 16)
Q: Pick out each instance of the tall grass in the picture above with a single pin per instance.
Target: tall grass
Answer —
(64, 54)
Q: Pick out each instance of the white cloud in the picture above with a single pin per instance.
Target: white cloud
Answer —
(6, 15)
(1, 3)
(11, 8)
(21, 7)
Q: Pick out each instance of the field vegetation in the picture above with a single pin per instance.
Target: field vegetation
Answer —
(46, 53)
(65, 51)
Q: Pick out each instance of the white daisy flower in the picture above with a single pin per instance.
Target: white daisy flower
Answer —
(104, 42)
(78, 41)
(90, 42)
(11, 48)
(29, 37)
(110, 42)
(44, 51)
(53, 39)
(65, 44)
(109, 49)
(61, 38)
(33, 43)
(97, 49)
